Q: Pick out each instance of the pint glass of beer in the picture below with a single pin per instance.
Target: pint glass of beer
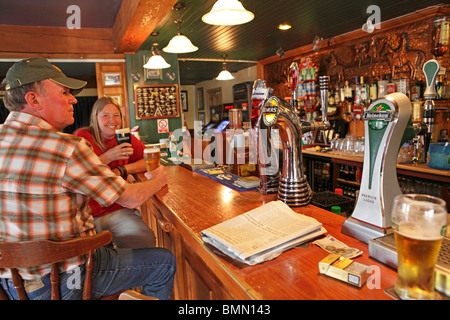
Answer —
(152, 157)
(420, 223)
(123, 135)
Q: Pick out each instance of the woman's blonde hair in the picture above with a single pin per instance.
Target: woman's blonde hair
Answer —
(94, 128)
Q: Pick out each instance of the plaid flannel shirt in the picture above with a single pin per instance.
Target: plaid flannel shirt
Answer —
(46, 180)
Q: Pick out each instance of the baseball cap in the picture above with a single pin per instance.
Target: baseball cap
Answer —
(36, 69)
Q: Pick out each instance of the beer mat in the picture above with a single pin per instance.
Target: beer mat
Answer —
(391, 293)
(226, 178)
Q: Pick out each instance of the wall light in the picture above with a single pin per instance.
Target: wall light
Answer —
(228, 13)
(180, 43)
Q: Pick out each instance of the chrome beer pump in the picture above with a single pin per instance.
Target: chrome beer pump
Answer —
(264, 139)
(387, 125)
(293, 188)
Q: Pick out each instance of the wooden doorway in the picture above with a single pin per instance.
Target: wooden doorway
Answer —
(214, 97)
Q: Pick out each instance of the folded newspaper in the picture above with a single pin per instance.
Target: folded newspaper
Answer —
(262, 233)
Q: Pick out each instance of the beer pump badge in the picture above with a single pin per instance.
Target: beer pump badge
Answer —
(269, 112)
(379, 116)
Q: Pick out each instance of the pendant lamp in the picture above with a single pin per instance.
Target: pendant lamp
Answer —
(224, 74)
(228, 13)
(180, 43)
(156, 61)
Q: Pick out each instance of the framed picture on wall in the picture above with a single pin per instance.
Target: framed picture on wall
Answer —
(156, 101)
(118, 98)
(112, 79)
(200, 99)
(184, 101)
(152, 74)
(214, 113)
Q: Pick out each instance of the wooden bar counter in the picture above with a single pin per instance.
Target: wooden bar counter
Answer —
(192, 202)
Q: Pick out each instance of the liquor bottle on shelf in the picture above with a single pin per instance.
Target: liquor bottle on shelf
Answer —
(357, 109)
(331, 103)
(337, 95)
(348, 92)
(342, 95)
(364, 92)
(416, 91)
(439, 87)
(391, 87)
(382, 87)
(357, 97)
(373, 91)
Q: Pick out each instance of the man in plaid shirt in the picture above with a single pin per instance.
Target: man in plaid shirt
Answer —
(47, 178)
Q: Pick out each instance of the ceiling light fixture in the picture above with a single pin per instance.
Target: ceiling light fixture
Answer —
(228, 13)
(180, 43)
(224, 74)
(156, 61)
(284, 26)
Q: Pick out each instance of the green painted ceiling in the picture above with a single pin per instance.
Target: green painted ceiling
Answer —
(260, 38)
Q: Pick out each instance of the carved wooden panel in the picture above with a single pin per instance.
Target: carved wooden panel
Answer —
(397, 53)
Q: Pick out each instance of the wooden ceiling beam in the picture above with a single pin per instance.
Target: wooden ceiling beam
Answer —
(55, 40)
(135, 21)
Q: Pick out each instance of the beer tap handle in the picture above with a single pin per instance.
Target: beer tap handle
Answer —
(323, 83)
(294, 84)
(430, 69)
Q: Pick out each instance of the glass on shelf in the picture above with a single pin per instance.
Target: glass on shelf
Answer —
(440, 32)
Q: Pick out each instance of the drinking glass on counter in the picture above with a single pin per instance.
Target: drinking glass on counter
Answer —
(152, 157)
(420, 223)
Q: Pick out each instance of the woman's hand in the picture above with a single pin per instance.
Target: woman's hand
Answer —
(120, 152)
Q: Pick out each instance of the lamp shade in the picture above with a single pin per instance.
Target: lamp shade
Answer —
(228, 13)
(156, 62)
(180, 44)
(225, 75)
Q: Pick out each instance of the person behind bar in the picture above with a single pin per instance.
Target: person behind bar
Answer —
(126, 225)
(46, 179)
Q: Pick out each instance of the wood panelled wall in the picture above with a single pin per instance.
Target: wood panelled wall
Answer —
(397, 50)
(135, 72)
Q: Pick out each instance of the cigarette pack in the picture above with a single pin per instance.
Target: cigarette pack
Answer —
(344, 269)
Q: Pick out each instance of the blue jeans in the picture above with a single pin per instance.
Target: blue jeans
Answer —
(114, 270)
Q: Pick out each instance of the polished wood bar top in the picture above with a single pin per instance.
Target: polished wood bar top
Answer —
(193, 202)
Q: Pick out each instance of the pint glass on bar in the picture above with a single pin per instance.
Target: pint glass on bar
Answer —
(419, 222)
(152, 158)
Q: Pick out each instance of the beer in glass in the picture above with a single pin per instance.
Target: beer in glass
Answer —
(419, 222)
(152, 158)
(123, 135)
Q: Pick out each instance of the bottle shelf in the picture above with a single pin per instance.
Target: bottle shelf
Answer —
(351, 183)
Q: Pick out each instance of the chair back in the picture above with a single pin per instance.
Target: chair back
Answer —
(15, 255)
